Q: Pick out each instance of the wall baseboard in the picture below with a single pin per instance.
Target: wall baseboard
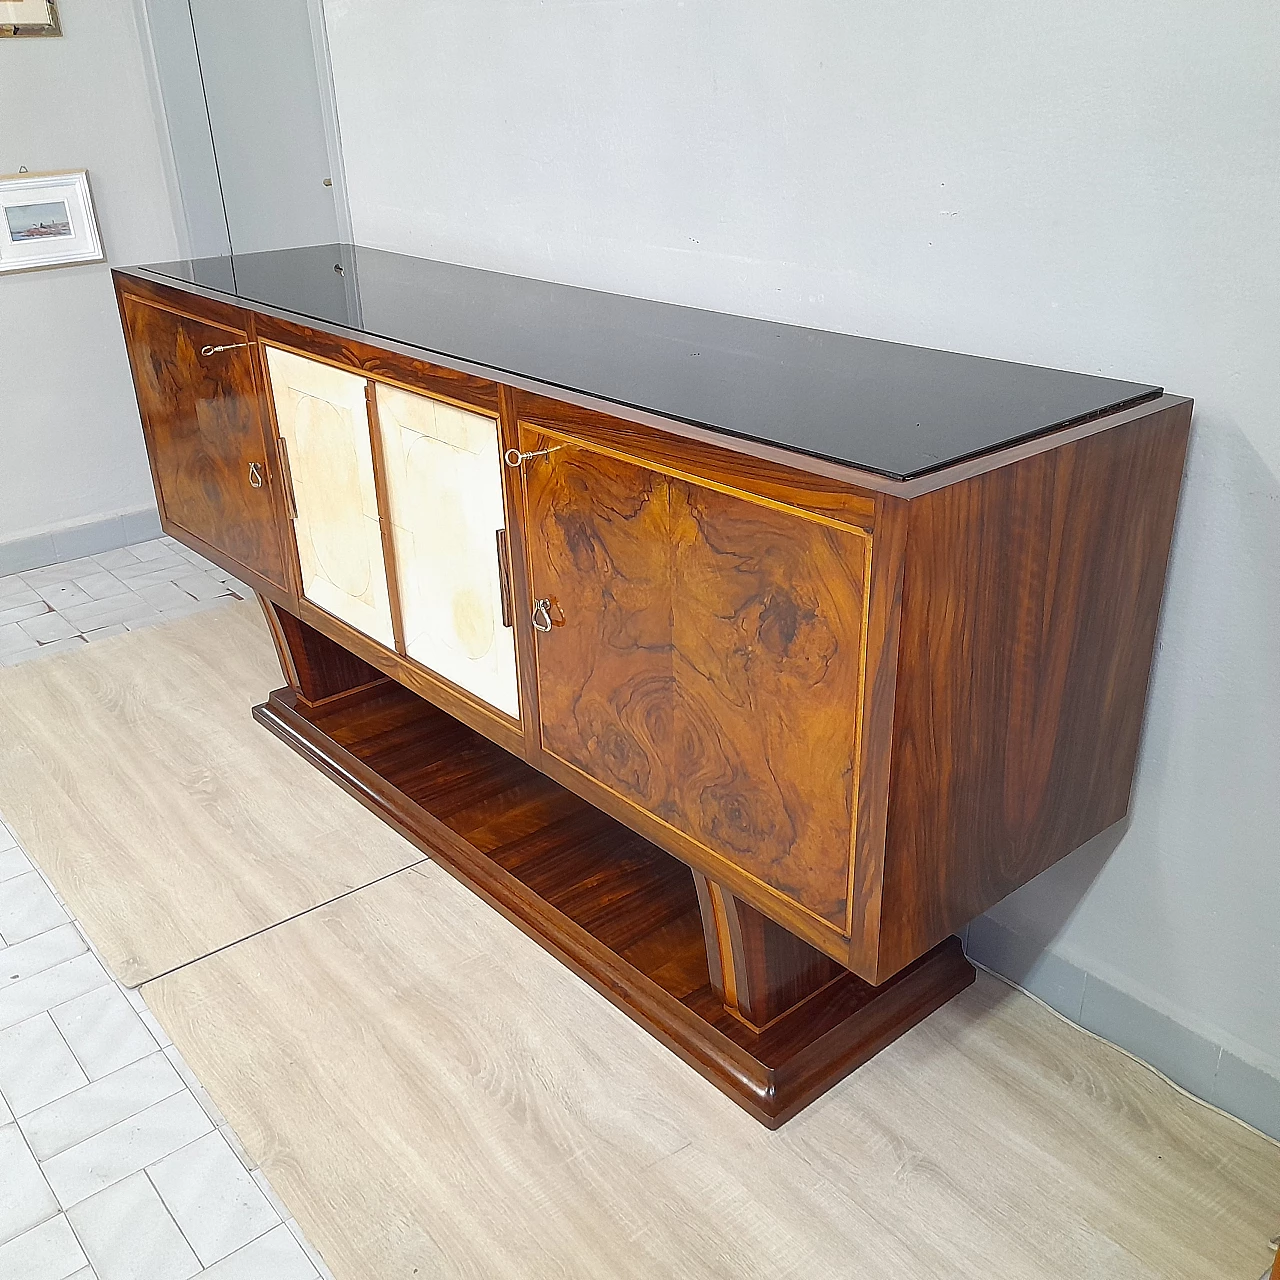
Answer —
(1208, 1070)
(86, 538)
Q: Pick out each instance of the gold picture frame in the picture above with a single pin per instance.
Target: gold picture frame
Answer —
(29, 18)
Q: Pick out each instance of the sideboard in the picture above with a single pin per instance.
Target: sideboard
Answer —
(738, 664)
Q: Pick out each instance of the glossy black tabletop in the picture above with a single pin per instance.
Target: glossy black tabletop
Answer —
(898, 410)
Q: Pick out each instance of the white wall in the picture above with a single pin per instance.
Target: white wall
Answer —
(1092, 186)
(71, 446)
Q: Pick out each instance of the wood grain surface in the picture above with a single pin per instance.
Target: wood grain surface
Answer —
(205, 428)
(1030, 605)
(705, 662)
(432, 1095)
(616, 909)
(172, 824)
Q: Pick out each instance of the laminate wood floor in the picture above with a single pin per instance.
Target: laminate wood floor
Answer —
(171, 823)
(433, 1095)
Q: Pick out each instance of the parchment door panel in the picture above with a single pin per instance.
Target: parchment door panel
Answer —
(323, 418)
(709, 664)
(443, 475)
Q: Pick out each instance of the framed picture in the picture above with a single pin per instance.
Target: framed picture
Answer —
(47, 220)
(29, 18)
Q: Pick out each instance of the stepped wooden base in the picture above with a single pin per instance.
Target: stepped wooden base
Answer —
(619, 911)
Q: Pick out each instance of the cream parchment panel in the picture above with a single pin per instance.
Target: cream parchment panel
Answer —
(444, 499)
(324, 419)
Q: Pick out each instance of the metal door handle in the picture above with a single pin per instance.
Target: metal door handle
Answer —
(255, 475)
(514, 458)
(230, 346)
(542, 615)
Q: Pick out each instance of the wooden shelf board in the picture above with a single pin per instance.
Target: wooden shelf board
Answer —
(618, 910)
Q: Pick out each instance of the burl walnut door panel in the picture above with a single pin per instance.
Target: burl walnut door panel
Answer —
(443, 475)
(205, 431)
(706, 661)
(323, 419)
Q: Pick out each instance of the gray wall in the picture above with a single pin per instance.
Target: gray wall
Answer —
(70, 442)
(264, 104)
(1092, 186)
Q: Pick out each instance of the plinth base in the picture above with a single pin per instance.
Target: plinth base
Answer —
(620, 912)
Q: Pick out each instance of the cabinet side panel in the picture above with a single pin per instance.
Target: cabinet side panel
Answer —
(1030, 604)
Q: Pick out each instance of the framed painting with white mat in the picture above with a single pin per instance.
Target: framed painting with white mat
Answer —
(47, 220)
(29, 18)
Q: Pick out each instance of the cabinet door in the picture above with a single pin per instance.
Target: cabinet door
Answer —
(323, 419)
(706, 663)
(204, 427)
(443, 475)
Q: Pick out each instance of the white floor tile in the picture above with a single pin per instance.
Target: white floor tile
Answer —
(56, 985)
(7, 839)
(98, 1106)
(13, 590)
(214, 1201)
(27, 908)
(113, 559)
(155, 549)
(146, 573)
(102, 585)
(36, 1067)
(103, 1031)
(47, 1252)
(102, 633)
(165, 595)
(282, 1209)
(128, 1234)
(198, 1090)
(48, 626)
(25, 1198)
(15, 614)
(106, 613)
(13, 862)
(202, 586)
(59, 595)
(277, 1255)
(158, 1033)
(125, 1148)
(63, 571)
(12, 637)
(310, 1250)
(5, 1114)
(40, 953)
(233, 1141)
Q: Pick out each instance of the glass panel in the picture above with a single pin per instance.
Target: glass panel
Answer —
(444, 499)
(323, 418)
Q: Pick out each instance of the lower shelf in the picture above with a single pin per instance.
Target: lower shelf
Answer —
(619, 911)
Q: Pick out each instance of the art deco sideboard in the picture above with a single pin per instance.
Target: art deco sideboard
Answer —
(738, 664)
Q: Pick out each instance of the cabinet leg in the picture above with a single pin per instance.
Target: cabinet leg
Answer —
(317, 669)
(758, 968)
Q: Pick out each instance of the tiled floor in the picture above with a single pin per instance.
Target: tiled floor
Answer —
(63, 606)
(114, 1162)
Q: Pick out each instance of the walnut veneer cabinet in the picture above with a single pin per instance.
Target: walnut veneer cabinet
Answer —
(738, 664)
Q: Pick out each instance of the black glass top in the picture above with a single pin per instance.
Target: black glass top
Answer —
(898, 410)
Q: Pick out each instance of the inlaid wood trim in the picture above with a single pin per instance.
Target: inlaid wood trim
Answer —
(533, 439)
(382, 498)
